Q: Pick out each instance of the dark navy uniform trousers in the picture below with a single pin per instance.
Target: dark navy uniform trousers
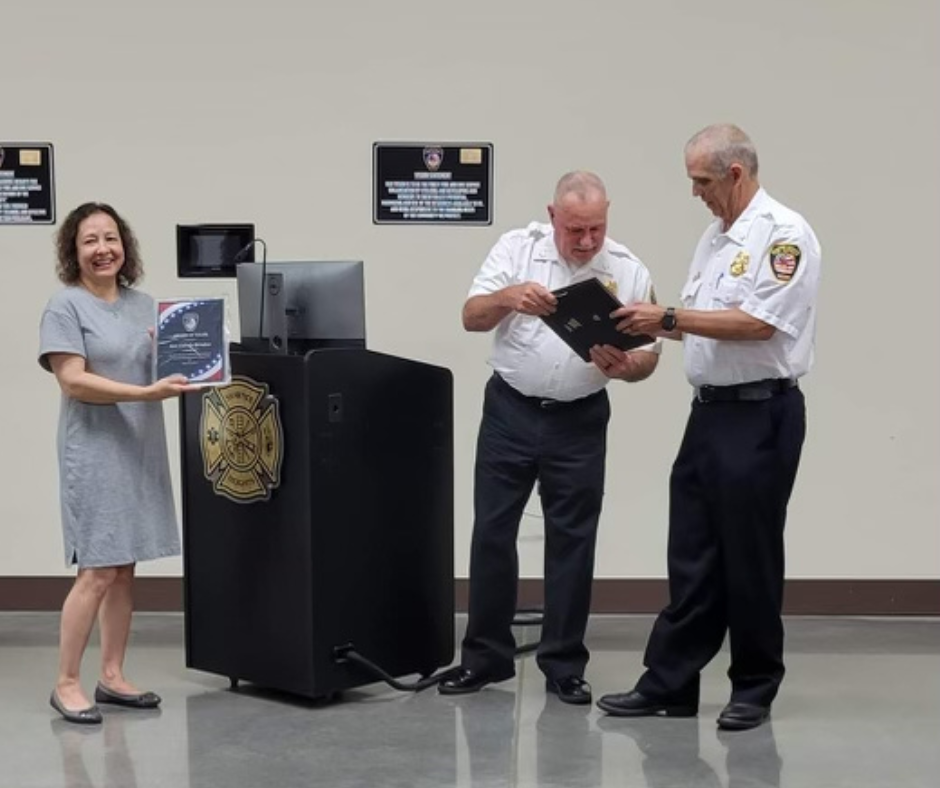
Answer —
(729, 489)
(563, 446)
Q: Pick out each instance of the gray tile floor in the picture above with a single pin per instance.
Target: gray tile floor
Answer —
(860, 708)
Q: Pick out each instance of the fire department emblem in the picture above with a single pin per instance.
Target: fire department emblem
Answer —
(242, 440)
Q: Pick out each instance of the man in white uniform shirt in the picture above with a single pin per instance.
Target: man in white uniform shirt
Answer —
(545, 417)
(747, 323)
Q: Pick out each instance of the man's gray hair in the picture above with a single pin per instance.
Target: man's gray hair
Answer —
(585, 185)
(727, 144)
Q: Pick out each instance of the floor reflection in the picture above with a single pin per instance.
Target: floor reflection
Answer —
(100, 750)
(671, 752)
(568, 751)
(253, 737)
(670, 748)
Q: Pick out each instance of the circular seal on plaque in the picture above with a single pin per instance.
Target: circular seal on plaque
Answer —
(433, 157)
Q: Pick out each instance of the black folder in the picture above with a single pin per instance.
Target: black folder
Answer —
(582, 319)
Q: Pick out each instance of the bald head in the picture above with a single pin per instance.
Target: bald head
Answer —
(579, 216)
(581, 186)
(724, 144)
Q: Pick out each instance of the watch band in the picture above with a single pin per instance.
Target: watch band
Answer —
(669, 319)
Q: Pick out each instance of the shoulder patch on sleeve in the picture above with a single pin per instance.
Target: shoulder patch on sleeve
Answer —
(784, 261)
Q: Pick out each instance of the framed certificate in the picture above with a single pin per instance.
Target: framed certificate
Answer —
(190, 339)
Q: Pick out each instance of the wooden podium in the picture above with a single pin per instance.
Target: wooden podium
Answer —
(318, 514)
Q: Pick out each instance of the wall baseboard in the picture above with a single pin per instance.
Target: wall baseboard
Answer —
(802, 597)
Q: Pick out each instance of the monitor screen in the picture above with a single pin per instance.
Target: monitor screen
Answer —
(324, 303)
(211, 249)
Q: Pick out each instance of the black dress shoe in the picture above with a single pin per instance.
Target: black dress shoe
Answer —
(465, 681)
(636, 704)
(570, 689)
(138, 700)
(742, 716)
(89, 716)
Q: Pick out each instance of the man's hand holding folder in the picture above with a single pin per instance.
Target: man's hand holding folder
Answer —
(530, 298)
(583, 320)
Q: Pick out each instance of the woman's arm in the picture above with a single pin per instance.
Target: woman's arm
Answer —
(78, 383)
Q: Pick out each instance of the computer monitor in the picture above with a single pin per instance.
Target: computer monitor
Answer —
(317, 304)
(211, 249)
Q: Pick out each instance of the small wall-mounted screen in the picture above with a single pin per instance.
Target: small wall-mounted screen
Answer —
(213, 249)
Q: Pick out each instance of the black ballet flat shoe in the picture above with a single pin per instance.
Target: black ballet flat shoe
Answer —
(140, 700)
(89, 716)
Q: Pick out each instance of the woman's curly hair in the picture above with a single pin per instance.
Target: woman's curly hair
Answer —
(67, 245)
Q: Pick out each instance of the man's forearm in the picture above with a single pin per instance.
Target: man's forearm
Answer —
(484, 312)
(727, 324)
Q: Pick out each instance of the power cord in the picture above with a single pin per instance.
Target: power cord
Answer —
(347, 655)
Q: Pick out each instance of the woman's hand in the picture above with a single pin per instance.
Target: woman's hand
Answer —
(170, 386)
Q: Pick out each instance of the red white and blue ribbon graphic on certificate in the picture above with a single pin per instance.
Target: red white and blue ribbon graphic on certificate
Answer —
(191, 339)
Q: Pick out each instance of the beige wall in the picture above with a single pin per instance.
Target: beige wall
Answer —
(235, 111)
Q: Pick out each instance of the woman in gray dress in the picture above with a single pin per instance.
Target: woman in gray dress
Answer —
(114, 476)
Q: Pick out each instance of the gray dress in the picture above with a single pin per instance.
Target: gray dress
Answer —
(114, 475)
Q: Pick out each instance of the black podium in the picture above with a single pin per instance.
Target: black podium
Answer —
(319, 516)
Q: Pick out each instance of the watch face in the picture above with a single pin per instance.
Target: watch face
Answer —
(669, 319)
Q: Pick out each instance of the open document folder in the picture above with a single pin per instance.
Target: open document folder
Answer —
(582, 319)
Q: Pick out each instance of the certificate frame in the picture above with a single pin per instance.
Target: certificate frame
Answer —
(191, 339)
(582, 319)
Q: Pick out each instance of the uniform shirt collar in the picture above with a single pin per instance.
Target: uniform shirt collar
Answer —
(739, 231)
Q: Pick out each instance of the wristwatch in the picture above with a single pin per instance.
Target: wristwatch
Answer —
(669, 319)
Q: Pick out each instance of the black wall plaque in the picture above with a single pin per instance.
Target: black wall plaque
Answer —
(431, 183)
(27, 188)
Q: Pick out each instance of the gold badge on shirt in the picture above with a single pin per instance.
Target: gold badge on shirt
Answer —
(611, 287)
(740, 263)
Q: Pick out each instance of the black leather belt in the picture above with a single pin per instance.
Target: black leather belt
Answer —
(745, 392)
(542, 402)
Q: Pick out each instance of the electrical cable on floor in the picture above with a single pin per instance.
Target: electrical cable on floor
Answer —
(342, 655)
(347, 654)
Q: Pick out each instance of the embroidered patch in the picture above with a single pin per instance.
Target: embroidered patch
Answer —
(784, 260)
(740, 263)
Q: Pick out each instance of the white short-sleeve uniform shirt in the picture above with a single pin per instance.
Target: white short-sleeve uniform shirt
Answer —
(766, 264)
(527, 354)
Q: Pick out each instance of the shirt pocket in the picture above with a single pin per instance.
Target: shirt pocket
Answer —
(689, 292)
(730, 291)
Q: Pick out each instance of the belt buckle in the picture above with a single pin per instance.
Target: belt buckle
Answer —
(701, 393)
(546, 404)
